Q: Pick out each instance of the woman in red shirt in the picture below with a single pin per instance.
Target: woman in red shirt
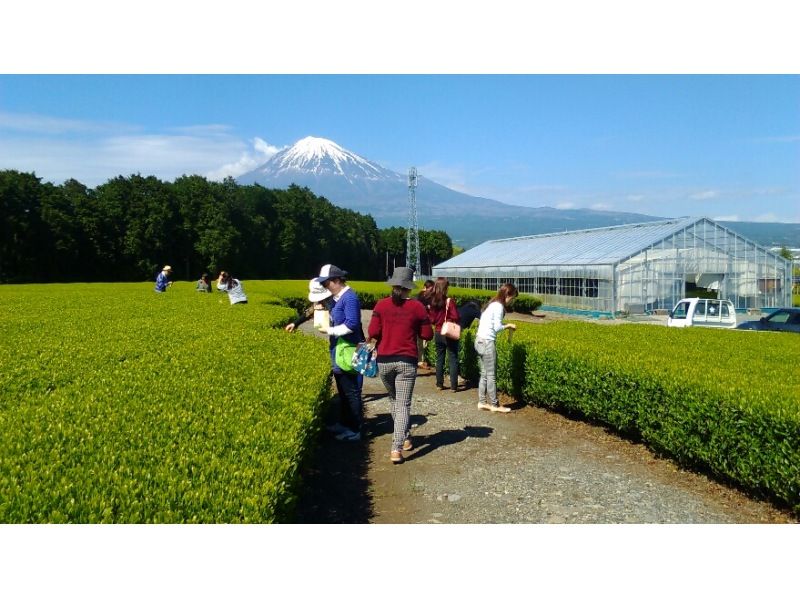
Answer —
(396, 323)
(442, 310)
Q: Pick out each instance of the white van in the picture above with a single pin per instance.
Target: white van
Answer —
(711, 313)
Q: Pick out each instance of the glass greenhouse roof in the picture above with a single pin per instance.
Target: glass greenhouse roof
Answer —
(594, 246)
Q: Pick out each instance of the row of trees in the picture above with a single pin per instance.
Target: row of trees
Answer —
(127, 228)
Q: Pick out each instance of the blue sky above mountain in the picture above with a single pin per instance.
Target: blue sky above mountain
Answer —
(727, 147)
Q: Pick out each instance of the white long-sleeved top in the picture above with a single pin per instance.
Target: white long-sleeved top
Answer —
(235, 294)
(491, 321)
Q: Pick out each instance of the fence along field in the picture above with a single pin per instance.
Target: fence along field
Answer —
(122, 405)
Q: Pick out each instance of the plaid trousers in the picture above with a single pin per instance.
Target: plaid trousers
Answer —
(399, 377)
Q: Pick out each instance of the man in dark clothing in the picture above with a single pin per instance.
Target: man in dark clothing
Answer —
(468, 313)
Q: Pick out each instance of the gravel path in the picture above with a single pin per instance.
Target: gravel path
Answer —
(527, 466)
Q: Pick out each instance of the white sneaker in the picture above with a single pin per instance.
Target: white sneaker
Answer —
(498, 409)
(484, 406)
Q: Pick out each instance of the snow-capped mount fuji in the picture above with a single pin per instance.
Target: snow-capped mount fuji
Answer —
(351, 181)
(320, 157)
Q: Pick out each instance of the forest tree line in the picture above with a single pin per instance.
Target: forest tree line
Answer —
(127, 228)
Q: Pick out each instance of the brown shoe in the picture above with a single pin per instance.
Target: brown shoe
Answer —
(407, 446)
(396, 457)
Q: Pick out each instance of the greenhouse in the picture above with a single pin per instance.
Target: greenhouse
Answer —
(634, 268)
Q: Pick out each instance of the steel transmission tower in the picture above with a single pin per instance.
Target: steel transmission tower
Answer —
(412, 235)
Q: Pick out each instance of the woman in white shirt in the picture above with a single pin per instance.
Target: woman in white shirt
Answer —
(232, 286)
(491, 323)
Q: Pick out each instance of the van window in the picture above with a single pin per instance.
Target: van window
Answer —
(725, 311)
(679, 313)
(713, 309)
(700, 309)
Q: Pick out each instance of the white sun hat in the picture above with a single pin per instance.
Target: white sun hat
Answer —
(317, 292)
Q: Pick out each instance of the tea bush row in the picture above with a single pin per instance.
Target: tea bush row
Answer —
(718, 400)
(118, 404)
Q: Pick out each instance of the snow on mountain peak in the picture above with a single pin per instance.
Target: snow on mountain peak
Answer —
(316, 147)
(322, 156)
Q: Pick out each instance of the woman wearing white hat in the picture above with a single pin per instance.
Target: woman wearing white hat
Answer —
(163, 281)
(345, 325)
(319, 297)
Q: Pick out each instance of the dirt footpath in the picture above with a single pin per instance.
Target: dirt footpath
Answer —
(527, 466)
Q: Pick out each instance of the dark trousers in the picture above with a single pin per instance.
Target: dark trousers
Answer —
(450, 346)
(349, 388)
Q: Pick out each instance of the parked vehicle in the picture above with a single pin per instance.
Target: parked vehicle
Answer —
(786, 319)
(710, 313)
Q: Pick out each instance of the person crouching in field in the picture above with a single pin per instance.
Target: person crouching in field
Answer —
(345, 328)
(396, 323)
(203, 284)
(321, 301)
(233, 287)
(490, 324)
(162, 280)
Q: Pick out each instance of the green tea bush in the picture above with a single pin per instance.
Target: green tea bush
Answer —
(119, 404)
(720, 400)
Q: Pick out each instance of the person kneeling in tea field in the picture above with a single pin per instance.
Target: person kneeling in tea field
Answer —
(203, 284)
(319, 309)
(344, 333)
(396, 324)
(162, 280)
(233, 287)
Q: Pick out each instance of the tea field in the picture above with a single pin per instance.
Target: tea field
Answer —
(119, 404)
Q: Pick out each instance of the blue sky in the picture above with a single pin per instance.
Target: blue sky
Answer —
(721, 146)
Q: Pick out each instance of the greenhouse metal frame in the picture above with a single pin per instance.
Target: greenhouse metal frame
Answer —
(633, 268)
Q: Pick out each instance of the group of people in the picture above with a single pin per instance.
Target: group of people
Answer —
(399, 327)
(225, 283)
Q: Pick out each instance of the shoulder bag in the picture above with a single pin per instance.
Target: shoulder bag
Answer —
(450, 329)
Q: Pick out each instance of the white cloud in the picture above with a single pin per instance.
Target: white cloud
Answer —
(729, 218)
(565, 205)
(57, 149)
(602, 206)
(703, 195)
(767, 217)
(202, 130)
(40, 124)
(635, 198)
(265, 148)
(648, 174)
(449, 176)
(247, 161)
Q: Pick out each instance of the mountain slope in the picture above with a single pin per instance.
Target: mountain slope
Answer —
(350, 181)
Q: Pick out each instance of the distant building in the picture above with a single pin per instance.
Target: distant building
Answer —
(632, 268)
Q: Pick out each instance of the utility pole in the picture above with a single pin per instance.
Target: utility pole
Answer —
(412, 234)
